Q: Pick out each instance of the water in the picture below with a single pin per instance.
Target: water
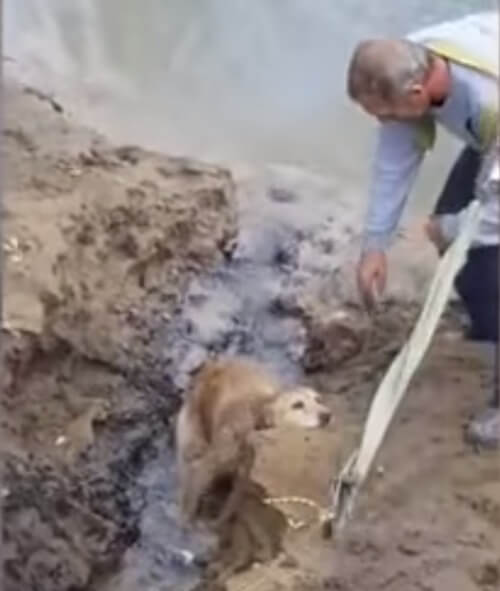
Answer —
(260, 81)
(156, 562)
(250, 305)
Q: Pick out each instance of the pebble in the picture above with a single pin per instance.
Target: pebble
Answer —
(182, 557)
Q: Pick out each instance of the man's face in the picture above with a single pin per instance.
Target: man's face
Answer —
(409, 107)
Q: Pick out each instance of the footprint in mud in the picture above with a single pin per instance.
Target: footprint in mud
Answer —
(484, 502)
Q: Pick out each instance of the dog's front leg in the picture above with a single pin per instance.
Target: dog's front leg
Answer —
(195, 482)
(239, 485)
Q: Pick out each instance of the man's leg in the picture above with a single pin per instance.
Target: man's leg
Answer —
(477, 286)
(458, 190)
(457, 193)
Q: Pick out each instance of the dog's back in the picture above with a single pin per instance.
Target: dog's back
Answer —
(219, 411)
(222, 389)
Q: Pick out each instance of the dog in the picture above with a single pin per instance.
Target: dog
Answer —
(228, 399)
(254, 534)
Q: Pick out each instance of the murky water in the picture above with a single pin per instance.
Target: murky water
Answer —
(246, 306)
(158, 561)
(259, 81)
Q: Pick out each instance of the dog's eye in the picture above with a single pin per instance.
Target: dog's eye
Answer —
(297, 405)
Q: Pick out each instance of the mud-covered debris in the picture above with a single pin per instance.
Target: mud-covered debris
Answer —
(487, 576)
(334, 584)
(332, 341)
(288, 561)
(21, 137)
(42, 96)
(79, 435)
(409, 549)
(129, 154)
(95, 157)
(282, 195)
(182, 557)
(187, 167)
(287, 304)
(55, 534)
(11, 244)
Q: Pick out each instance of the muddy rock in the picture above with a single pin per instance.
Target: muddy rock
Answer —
(68, 518)
(487, 576)
(56, 538)
(122, 263)
(118, 232)
(334, 339)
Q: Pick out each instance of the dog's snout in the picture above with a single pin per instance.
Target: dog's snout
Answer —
(324, 418)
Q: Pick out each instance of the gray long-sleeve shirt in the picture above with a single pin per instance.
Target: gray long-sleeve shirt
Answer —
(398, 158)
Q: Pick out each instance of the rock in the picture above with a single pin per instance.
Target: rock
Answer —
(282, 195)
(487, 575)
(288, 561)
(333, 340)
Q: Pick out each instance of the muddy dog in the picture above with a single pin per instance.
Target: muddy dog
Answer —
(253, 534)
(227, 401)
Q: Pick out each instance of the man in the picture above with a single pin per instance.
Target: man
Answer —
(446, 74)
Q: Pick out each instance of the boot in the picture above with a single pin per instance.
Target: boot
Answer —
(484, 430)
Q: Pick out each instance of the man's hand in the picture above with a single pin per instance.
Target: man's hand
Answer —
(372, 277)
(434, 233)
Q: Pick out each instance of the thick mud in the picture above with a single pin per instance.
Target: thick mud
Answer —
(100, 246)
(125, 269)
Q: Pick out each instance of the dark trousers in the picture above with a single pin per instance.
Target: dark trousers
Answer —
(477, 281)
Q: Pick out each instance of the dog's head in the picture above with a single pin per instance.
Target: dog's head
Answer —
(302, 407)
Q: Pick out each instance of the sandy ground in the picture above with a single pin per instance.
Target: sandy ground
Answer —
(429, 517)
(100, 244)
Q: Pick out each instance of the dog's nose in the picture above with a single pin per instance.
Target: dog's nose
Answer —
(324, 418)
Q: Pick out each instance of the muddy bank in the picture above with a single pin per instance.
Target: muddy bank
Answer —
(100, 244)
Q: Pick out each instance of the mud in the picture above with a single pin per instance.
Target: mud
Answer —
(103, 243)
(125, 269)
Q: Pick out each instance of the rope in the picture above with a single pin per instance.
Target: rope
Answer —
(397, 378)
(323, 515)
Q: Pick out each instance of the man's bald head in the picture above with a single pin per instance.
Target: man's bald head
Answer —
(386, 68)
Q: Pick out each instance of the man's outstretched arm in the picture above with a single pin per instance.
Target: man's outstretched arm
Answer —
(397, 161)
